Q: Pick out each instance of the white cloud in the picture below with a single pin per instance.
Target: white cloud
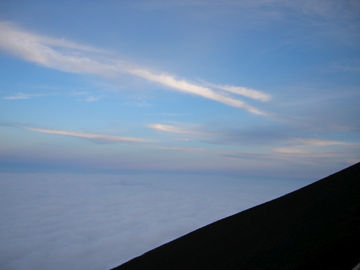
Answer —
(305, 155)
(243, 91)
(178, 149)
(20, 96)
(89, 98)
(98, 221)
(291, 151)
(194, 89)
(70, 57)
(53, 53)
(92, 99)
(92, 137)
(317, 142)
(314, 148)
(310, 147)
(80, 93)
(173, 129)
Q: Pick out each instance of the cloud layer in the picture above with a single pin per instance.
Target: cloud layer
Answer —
(98, 221)
(74, 58)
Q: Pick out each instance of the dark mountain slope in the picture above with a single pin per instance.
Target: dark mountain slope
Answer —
(316, 227)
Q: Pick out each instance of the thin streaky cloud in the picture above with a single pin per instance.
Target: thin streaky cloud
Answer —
(301, 146)
(276, 9)
(21, 96)
(81, 96)
(13, 35)
(315, 148)
(178, 149)
(73, 58)
(194, 89)
(68, 44)
(281, 154)
(243, 91)
(80, 93)
(316, 142)
(173, 129)
(52, 53)
(290, 151)
(92, 99)
(172, 114)
(92, 137)
(287, 153)
(17, 97)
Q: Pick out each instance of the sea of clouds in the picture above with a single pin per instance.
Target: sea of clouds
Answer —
(98, 221)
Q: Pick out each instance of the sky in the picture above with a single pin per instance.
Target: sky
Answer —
(182, 86)
(231, 89)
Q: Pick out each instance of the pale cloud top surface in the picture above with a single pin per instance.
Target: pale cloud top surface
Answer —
(73, 221)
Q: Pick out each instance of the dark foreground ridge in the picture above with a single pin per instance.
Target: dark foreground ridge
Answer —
(315, 227)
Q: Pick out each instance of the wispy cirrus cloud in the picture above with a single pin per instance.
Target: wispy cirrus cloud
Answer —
(173, 129)
(317, 142)
(243, 91)
(180, 149)
(310, 155)
(292, 148)
(290, 151)
(313, 148)
(190, 88)
(74, 58)
(92, 99)
(20, 96)
(53, 53)
(86, 96)
(92, 137)
(275, 9)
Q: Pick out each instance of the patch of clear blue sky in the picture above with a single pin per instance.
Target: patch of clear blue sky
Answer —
(303, 54)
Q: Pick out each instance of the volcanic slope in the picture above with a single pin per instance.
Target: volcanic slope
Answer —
(315, 227)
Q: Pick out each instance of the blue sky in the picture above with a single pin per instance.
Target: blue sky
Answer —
(258, 88)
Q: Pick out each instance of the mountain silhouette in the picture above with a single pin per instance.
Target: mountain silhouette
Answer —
(315, 227)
